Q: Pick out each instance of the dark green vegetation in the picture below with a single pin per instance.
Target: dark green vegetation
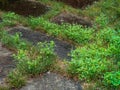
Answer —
(96, 58)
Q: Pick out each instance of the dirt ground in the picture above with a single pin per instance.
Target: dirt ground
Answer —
(78, 3)
(26, 8)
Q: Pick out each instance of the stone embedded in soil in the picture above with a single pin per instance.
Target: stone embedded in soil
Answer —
(26, 7)
(70, 18)
(52, 81)
(6, 63)
(62, 48)
(78, 3)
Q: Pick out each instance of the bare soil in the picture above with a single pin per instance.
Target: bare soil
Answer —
(78, 3)
(26, 8)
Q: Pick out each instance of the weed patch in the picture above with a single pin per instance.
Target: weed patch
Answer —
(112, 79)
(36, 60)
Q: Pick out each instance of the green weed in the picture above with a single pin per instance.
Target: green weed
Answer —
(10, 19)
(75, 33)
(111, 39)
(4, 88)
(37, 59)
(12, 41)
(103, 8)
(112, 79)
(16, 79)
(89, 63)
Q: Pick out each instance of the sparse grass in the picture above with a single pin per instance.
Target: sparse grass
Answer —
(16, 79)
(110, 8)
(57, 8)
(37, 59)
(13, 42)
(4, 88)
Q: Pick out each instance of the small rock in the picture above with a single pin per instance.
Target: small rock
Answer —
(71, 19)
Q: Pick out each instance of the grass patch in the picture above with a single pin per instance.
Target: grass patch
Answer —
(37, 59)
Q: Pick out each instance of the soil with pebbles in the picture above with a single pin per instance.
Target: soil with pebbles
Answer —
(52, 81)
(62, 48)
(25, 7)
(70, 18)
(6, 63)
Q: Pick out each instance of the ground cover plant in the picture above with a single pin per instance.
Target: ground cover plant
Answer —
(74, 33)
(37, 59)
(97, 54)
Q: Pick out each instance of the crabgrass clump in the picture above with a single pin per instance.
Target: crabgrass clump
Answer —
(77, 33)
(111, 8)
(112, 79)
(16, 79)
(46, 25)
(89, 62)
(108, 10)
(115, 47)
(37, 59)
(12, 41)
(10, 19)
(111, 39)
(102, 20)
(4, 88)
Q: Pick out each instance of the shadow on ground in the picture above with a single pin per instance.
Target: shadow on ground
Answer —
(70, 18)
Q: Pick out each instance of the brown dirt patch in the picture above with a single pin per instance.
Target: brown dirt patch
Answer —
(78, 3)
(26, 8)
